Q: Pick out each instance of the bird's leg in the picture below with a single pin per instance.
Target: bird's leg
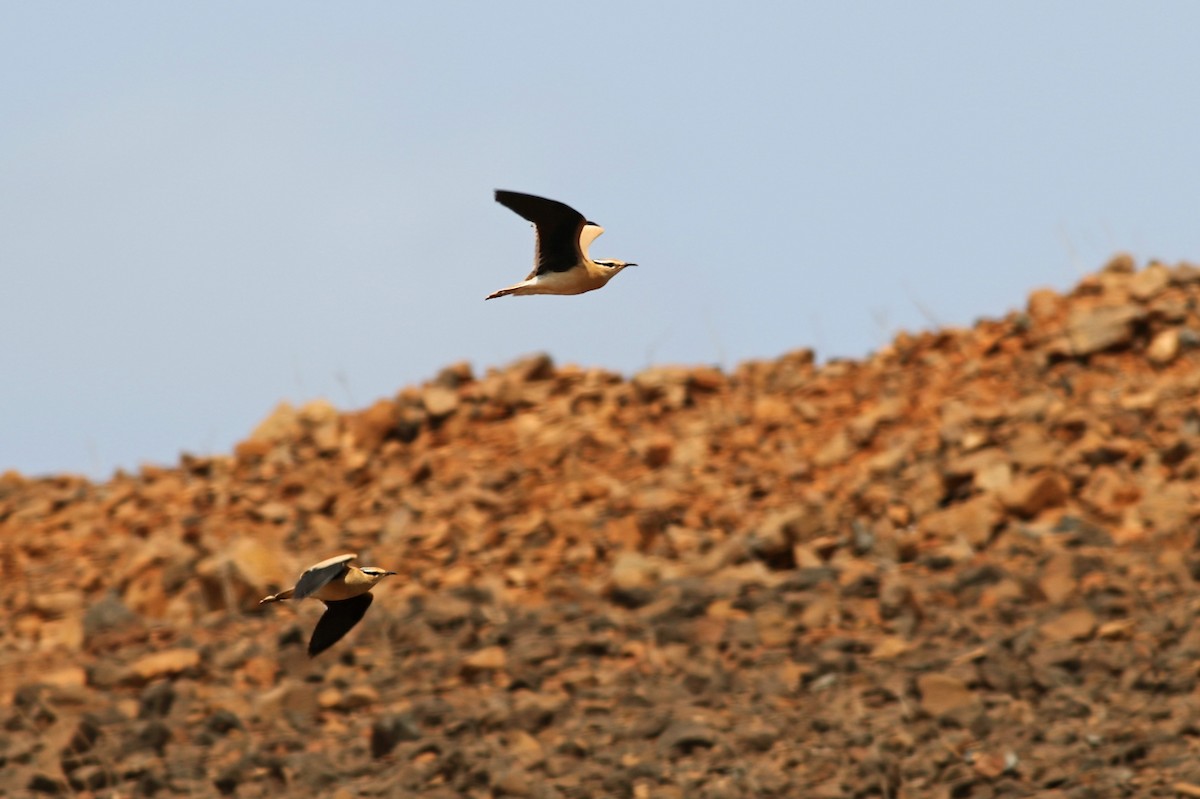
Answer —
(286, 594)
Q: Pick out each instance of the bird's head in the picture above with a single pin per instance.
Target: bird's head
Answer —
(375, 573)
(612, 266)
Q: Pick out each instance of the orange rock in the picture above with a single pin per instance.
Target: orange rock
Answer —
(1164, 347)
(490, 658)
(942, 694)
(1073, 625)
(439, 401)
(1029, 495)
(1146, 284)
(975, 519)
(166, 663)
(1057, 580)
(1091, 330)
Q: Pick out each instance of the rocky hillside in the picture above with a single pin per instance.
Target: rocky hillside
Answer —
(963, 567)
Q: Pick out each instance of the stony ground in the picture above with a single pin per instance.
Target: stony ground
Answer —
(963, 567)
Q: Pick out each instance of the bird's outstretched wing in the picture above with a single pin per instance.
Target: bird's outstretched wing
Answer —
(339, 618)
(316, 577)
(557, 225)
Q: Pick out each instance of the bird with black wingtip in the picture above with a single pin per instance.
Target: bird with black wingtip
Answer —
(346, 592)
(561, 264)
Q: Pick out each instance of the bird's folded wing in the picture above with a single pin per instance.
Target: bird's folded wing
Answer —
(320, 575)
(339, 618)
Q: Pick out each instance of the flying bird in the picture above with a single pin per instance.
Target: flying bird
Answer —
(344, 589)
(561, 264)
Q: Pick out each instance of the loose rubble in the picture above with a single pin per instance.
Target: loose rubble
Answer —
(965, 566)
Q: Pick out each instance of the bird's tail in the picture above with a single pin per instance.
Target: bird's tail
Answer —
(282, 595)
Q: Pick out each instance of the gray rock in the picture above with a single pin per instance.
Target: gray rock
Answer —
(222, 721)
(1097, 329)
(156, 700)
(389, 731)
(110, 613)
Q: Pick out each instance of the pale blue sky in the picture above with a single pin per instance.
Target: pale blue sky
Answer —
(207, 208)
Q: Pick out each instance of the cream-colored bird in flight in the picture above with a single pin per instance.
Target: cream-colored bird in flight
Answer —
(561, 264)
(344, 589)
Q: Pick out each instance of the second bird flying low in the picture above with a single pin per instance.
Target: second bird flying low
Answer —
(561, 264)
(344, 589)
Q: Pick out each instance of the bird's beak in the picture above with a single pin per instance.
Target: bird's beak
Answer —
(391, 573)
(631, 264)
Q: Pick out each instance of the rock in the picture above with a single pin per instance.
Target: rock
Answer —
(388, 731)
(836, 449)
(168, 663)
(1164, 347)
(758, 736)
(1146, 284)
(376, 424)
(277, 512)
(153, 736)
(974, 520)
(455, 375)
(222, 721)
(987, 469)
(488, 659)
(145, 593)
(1030, 449)
(282, 424)
(1046, 305)
(359, 696)
(245, 570)
(535, 711)
(330, 698)
(261, 672)
(1073, 625)
(1109, 492)
(439, 401)
(633, 580)
(56, 604)
(90, 778)
(107, 614)
(1120, 264)
(444, 611)
(156, 700)
(1058, 580)
(1096, 329)
(1169, 509)
(1029, 495)
(84, 737)
(66, 677)
(666, 384)
(513, 782)
(942, 694)
(66, 633)
(43, 783)
(658, 452)
(539, 366)
(525, 750)
(683, 737)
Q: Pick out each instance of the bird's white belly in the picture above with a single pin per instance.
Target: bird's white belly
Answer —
(576, 281)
